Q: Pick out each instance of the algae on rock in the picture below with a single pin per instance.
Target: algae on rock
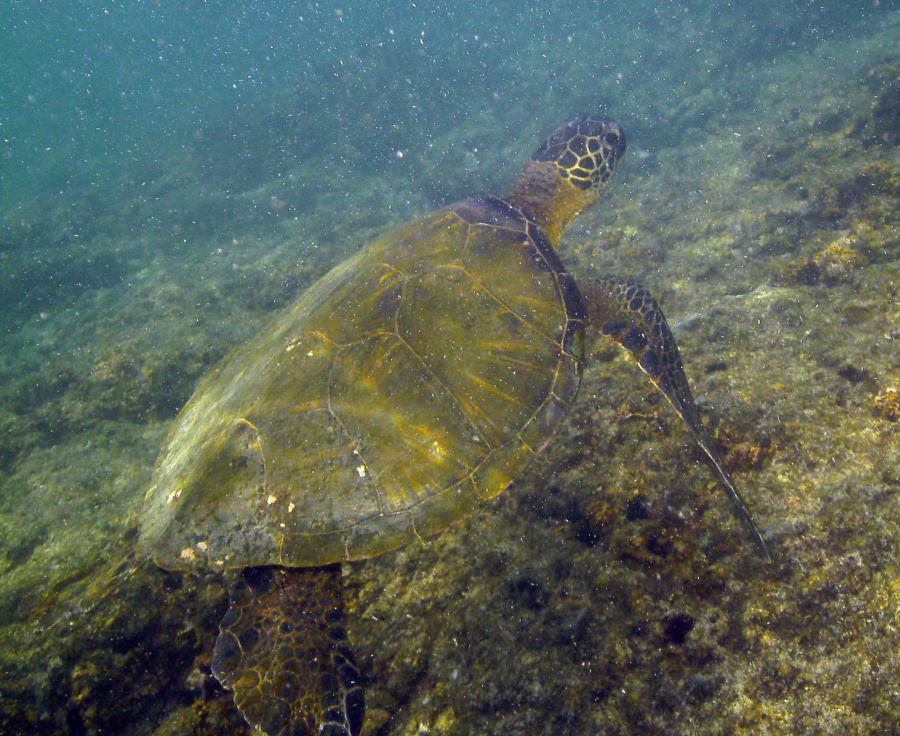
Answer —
(608, 590)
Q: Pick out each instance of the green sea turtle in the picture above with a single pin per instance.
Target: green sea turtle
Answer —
(411, 382)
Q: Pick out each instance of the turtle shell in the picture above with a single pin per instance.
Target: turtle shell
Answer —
(414, 379)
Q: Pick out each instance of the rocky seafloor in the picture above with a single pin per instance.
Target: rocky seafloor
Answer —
(609, 591)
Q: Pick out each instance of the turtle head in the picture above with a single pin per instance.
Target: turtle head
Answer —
(569, 171)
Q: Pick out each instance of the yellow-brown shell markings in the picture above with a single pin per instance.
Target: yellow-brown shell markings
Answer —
(413, 380)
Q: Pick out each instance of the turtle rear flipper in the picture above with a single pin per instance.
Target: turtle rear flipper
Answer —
(627, 313)
(282, 650)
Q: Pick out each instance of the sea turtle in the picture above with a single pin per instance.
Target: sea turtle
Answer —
(411, 382)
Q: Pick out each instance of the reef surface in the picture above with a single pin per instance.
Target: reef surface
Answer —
(609, 591)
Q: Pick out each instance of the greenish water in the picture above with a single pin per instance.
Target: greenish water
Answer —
(104, 89)
(173, 174)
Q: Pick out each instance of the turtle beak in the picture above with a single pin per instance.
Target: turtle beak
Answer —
(623, 143)
(615, 137)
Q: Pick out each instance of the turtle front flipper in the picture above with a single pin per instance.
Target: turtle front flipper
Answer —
(628, 314)
(282, 650)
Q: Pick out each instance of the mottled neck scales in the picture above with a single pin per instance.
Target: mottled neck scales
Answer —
(552, 202)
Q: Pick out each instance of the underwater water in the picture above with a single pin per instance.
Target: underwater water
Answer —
(174, 175)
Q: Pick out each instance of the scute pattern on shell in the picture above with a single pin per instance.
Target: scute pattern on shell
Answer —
(414, 380)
